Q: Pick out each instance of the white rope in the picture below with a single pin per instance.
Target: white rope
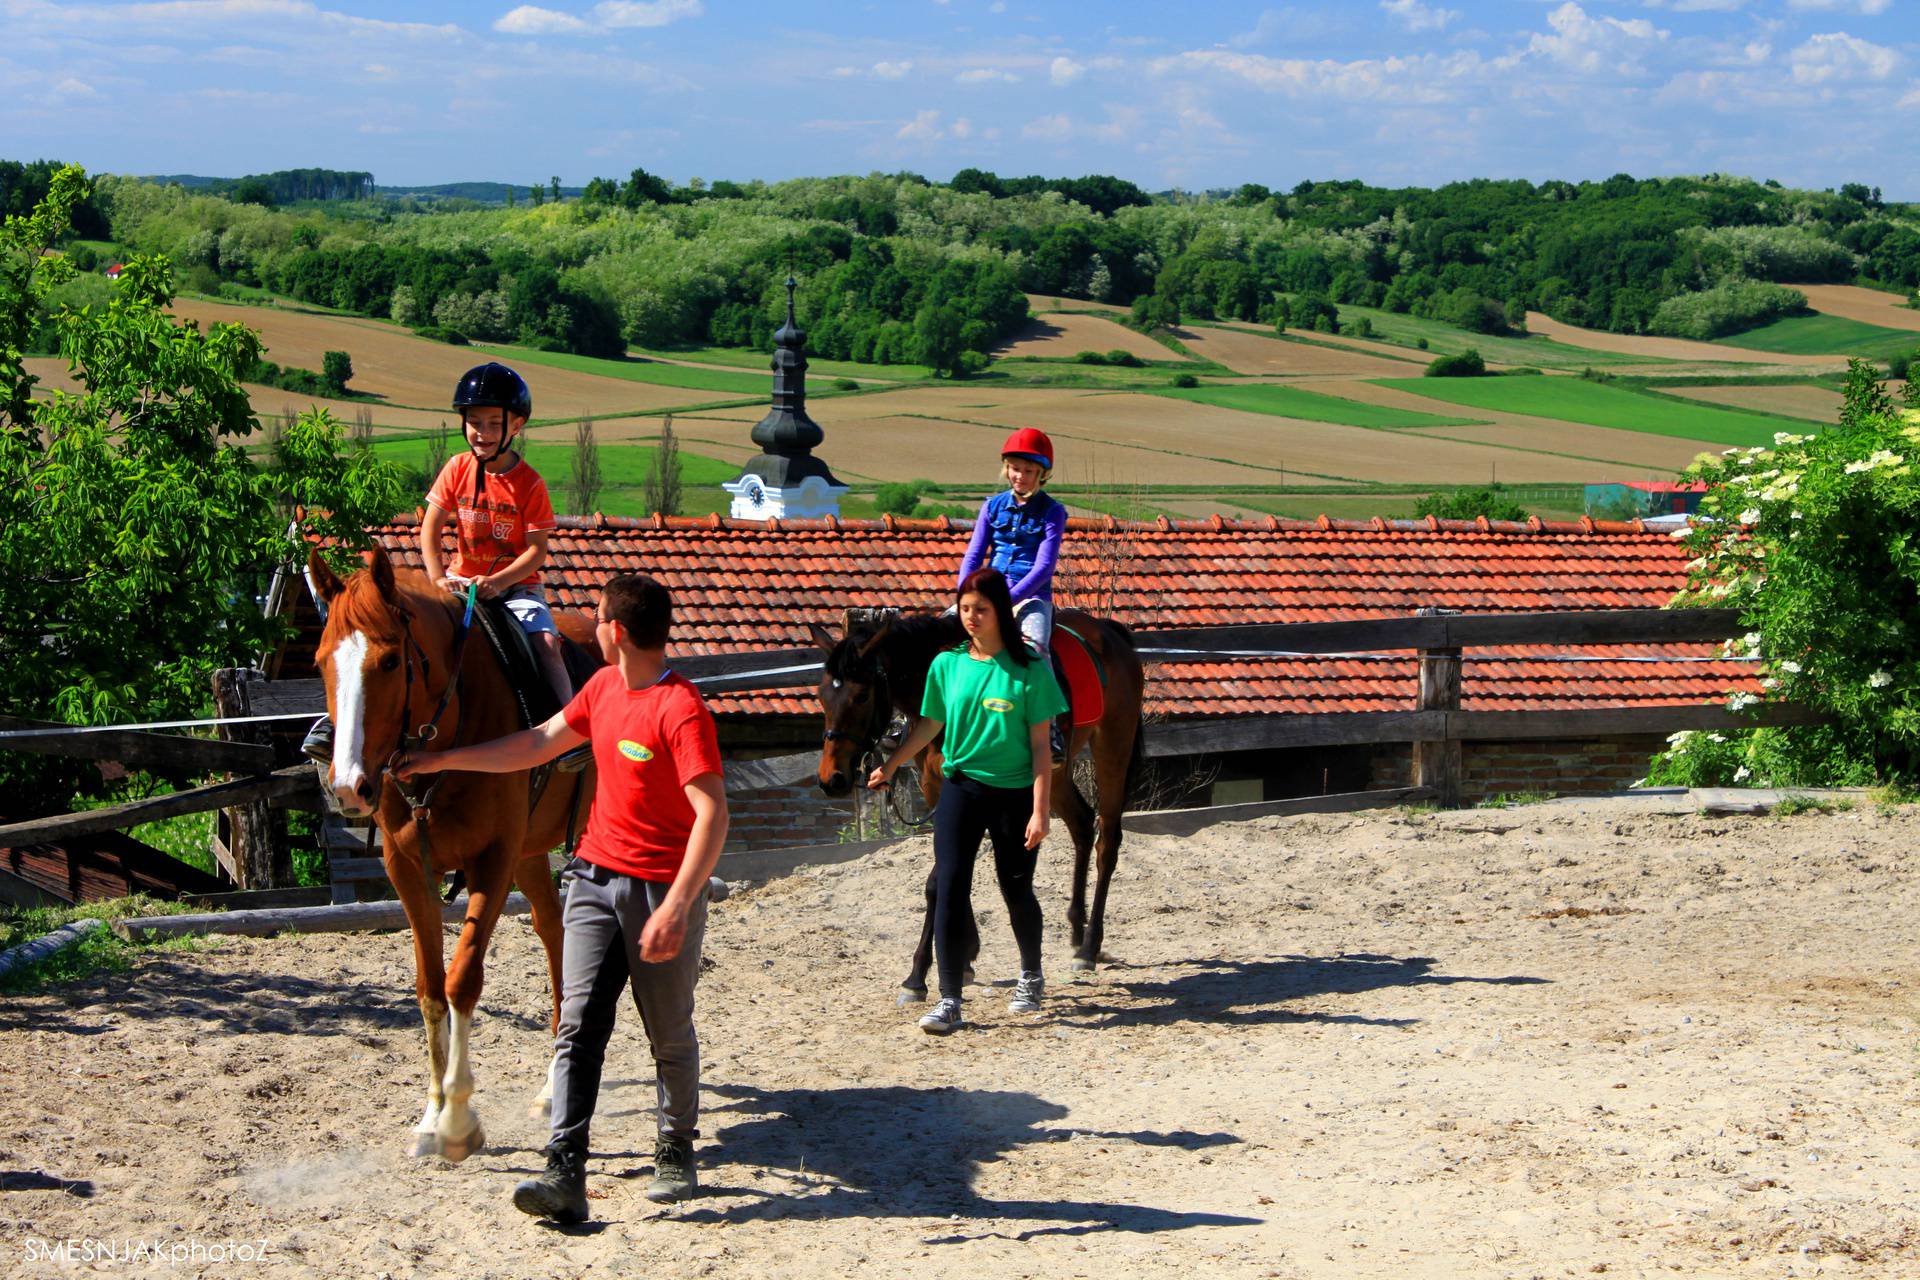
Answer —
(748, 675)
(69, 729)
(1410, 656)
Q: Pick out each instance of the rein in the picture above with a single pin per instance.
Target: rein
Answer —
(420, 807)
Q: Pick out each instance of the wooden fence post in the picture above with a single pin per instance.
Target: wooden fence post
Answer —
(1437, 763)
(256, 834)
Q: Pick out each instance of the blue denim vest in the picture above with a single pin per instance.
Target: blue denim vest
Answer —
(1015, 534)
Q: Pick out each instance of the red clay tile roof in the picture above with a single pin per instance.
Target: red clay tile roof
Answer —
(742, 585)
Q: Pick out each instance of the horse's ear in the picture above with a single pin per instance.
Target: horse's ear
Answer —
(823, 636)
(382, 571)
(872, 642)
(325, 581)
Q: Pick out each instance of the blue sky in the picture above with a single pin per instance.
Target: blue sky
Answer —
(1195, 94)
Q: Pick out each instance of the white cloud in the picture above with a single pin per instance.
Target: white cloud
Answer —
(1056, 128)
(924, 127)
(1837, 54)
(532, 20)
(842, 73)
(1122, 123)
(1427, 78)
(1272, 23)
(984, 75)
(1590, 45)
(963, 128)
(1912, 98)
(646, 13)
(1851, 6)
(892, 70)
(1064, 71)
(1695, 6)
(1415, 16)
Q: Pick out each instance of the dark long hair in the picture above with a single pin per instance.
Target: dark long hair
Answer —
(991, 584)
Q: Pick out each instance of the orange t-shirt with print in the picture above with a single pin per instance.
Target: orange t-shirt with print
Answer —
(492, 531)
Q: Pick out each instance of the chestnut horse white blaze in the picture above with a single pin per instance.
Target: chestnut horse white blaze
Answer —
(387, 658)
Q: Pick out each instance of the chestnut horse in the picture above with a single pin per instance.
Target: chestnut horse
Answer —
(879, 668)
(387, 656)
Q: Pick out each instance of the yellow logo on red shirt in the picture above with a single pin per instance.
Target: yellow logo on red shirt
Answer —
(996, 704)
(634, 751)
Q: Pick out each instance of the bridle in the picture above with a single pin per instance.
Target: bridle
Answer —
(879, 714)
(420, 805)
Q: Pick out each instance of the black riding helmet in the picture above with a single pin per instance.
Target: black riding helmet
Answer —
(492, 384)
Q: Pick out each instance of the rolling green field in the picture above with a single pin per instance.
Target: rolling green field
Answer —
(1599, 405)
(1292, 402)
(1445, 339)
(761, 362)
(1819, 335)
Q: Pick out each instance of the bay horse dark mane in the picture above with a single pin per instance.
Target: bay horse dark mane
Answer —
(878, 668)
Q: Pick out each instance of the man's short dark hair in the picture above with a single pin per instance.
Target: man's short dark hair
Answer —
(641, 605)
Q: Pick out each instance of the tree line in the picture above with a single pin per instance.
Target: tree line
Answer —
(896, 268)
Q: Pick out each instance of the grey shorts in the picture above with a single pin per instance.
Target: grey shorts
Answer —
(528, 605)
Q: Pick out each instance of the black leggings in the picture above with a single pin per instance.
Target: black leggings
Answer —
(969, 809)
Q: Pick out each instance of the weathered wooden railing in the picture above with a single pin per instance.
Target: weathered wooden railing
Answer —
(1434, 722)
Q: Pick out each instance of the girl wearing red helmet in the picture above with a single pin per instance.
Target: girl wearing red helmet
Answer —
(1018, 532)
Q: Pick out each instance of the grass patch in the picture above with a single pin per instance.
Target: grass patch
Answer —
(1445, 339)
(1292, 402)
(1790, 805)
(1604, 405)
(1823, 335)
(1514, 800)
(188, 837)
(624, 466)
(639, 369)
(101, 951)
(1040, 371)
(762, 362)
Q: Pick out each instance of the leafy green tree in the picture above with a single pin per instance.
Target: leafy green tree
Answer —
(900, 497)
(252, 191)
(1492, 501)
(586, 466)
(1813, 541)
(553, 186)
(1464, 364)
(135, 530)
(337, 368)
(660, 490)
(936, 335)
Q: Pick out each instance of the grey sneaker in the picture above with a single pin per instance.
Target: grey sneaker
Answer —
(1027, 992)
(318, 744)
(944, 1017)
(673, 1175)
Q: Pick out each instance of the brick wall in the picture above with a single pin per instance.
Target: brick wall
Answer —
(1555, 768)
(777, 817)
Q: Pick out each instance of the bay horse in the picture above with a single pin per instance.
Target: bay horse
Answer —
(876, 669)
(387, 656)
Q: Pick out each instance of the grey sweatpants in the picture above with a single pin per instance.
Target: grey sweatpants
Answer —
(604, 915)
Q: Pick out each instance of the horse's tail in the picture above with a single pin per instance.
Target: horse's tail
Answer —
(1136, 758)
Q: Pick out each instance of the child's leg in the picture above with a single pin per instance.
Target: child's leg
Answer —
(958, 824)
(594, 969)
(1013, 865)
(664, 994)
(553, 664)
(1036, 626)
(528, 604)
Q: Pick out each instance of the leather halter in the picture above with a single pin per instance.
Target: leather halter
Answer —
(879, 715)
(420, 806)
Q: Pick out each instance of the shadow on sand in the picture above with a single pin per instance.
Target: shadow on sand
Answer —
(897, 1152)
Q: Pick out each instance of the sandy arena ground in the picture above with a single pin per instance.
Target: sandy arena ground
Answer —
(1065, 334)
(1551, 1041)
(1669, 348)
(1869, 306)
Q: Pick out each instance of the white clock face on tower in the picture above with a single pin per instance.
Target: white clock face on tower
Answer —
(755, 492)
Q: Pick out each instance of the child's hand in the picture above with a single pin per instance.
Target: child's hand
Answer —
(1036, 830)
(488, 591)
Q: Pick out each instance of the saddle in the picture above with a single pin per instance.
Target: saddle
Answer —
(514, 650)
(1081, 677)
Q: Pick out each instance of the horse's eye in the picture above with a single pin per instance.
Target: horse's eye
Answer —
(860, 695)
(390, 663)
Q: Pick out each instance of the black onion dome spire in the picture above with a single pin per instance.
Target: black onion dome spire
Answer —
(787, 435)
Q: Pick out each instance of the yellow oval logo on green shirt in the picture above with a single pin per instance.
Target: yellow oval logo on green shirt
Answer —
(996, 704)
(634, 751)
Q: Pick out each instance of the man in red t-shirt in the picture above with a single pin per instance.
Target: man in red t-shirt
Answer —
(636, 905)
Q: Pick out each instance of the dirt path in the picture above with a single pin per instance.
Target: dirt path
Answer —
(1552, 1041)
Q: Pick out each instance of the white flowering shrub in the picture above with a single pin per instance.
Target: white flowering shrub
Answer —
(1817, 542)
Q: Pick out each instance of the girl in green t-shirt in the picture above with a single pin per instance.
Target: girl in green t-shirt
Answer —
(995, 701)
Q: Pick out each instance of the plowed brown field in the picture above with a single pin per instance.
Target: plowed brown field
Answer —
(1063, 335)
(1245, 352)
(1869, 306)
(406, 370)
(1816, 404)
(1667, 348)
(267, 401)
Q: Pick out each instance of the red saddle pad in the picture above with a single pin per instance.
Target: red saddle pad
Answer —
(1084, 687)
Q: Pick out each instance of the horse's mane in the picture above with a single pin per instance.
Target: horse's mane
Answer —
(361, 607)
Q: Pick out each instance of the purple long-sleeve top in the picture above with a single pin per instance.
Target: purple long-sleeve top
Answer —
(1021, 540)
